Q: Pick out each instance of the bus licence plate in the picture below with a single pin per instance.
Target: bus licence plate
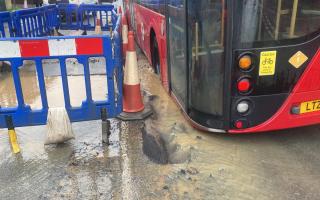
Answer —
(310, 106)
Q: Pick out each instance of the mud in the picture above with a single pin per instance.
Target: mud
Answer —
(154, 146)
(159, 144)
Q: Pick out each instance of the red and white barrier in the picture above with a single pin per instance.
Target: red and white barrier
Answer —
(132, 99)
(51, 47)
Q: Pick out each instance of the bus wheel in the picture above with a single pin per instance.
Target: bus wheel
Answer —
(155, 57)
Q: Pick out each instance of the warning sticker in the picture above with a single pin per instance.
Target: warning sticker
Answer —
(267, 63)
(298, 59)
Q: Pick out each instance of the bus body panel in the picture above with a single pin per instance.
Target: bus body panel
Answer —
(147, 20)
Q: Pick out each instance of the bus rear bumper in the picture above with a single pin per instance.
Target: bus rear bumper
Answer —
(284, 118)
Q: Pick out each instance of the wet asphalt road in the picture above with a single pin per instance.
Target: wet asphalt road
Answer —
(277, 165)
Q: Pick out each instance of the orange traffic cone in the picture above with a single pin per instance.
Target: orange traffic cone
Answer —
(133, 106)
(97, 29)
(120, 10)
(124, 35)
(132, 100)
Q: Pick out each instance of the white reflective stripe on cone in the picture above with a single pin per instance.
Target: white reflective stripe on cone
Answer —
(131, 76)
(125, 34)
(98, 15)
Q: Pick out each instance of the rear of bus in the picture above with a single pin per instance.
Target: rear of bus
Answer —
(236, 66)
(275, 77)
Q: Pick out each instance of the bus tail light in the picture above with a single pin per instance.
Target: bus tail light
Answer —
(238, 124)
(244, 85)
(241, 124)
(243, 107)
(245, 62)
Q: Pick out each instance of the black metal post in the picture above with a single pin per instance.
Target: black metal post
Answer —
(105, 124)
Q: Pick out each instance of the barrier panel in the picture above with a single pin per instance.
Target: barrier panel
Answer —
(114, 17)
(6, 27)
(117, 56)
(30, 23)
(81, 48)
(68, 16)
(51, 15)
(39, 22)
(89, 13)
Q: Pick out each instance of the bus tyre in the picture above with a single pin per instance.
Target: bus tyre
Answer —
(155, 57)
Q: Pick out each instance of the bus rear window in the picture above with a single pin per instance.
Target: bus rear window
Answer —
(270, 22)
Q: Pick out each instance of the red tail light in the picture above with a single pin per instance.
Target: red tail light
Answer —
(244, 85)
(238, 124)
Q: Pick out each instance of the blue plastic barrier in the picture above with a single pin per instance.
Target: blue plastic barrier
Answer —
(30, 23)
(110, 46)
(68, 16)
(114, 17)
(89, 12)
(39, 22)
(6, 27)
(51, 16)
(116, 37)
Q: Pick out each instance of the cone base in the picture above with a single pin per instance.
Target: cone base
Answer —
(147, 112)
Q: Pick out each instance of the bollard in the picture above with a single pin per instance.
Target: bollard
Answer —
(105, 126)
(12, 135)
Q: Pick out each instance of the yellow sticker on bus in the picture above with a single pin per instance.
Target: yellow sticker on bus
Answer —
(267, 65)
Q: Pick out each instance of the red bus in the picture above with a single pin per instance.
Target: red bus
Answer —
(237, 66)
